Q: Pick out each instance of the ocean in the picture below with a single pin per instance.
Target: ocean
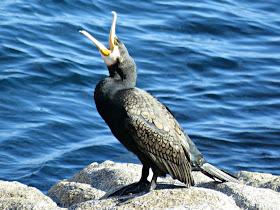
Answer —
(215, 64)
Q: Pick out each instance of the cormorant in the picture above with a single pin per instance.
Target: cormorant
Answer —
(144, 125)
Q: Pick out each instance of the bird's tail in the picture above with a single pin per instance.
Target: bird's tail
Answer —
(216, 173)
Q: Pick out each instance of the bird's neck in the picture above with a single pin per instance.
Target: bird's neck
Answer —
(123, 75)
(119, 79)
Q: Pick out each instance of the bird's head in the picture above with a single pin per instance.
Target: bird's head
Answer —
(116, 57)
(112, 53)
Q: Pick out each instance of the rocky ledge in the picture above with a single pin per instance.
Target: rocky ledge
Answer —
(88, 188)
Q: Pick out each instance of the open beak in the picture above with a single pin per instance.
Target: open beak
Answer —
(103, 50)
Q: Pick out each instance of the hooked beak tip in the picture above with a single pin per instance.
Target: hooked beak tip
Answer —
(103, 50)
(113, 32)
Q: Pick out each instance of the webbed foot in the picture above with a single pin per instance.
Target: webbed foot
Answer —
(132, 189)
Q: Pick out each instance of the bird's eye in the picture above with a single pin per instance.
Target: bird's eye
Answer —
(116, 43)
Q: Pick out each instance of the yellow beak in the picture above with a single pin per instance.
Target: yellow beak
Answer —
(103, 50)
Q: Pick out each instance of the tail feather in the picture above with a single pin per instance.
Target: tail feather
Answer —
(216, 173)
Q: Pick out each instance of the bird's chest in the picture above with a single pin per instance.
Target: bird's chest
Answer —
(114, 114)
(109, 108)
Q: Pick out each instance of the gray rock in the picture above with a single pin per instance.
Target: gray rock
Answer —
(93, 182)
(248, 197)
(88, 189)
(177, 198)
(66, 193)
(14, 195)
(109, 176)
(263, 180)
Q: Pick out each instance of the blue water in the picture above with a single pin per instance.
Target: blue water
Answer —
(216, 64)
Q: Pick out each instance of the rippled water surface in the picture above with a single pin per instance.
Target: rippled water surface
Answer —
(215, 64)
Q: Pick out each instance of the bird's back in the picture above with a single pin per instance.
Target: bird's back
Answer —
(157, 134)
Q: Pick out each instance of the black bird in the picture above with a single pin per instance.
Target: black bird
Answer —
(144, 125)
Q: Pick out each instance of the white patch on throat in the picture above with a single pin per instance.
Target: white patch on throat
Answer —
(112, 57)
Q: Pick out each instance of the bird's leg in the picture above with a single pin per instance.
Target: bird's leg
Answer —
(143, 186)
(153, 182)
(145, 173)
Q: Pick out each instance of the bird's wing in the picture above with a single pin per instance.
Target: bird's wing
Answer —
(158, 134)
